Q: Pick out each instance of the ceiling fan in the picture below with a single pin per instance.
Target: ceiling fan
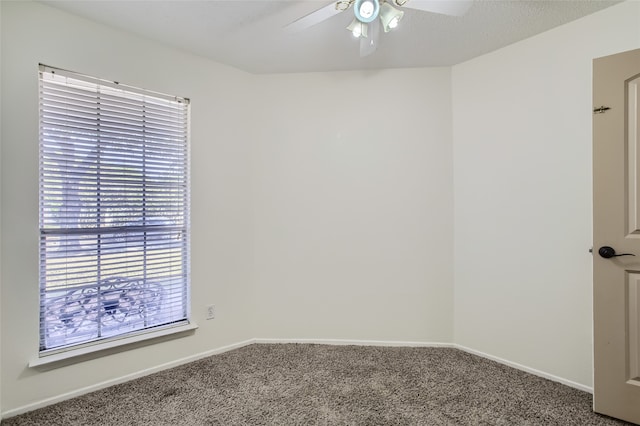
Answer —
(370, 15)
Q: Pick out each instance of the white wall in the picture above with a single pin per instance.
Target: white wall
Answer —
(522, 161)
(354, 206)
(221, 207)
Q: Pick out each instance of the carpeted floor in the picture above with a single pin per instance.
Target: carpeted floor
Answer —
(295, 384)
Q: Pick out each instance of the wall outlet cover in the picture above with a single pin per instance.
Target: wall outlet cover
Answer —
(211, 312)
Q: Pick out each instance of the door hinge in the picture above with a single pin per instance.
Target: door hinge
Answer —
(601, 110)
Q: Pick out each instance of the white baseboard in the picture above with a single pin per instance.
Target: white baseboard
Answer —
(345, 342)
(146, 372)
(530, 370)
(115, 381)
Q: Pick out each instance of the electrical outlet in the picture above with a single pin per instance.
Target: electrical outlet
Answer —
(211, 312)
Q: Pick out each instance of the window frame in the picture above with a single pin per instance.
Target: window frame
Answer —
(142, 232)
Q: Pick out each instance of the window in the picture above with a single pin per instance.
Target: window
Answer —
(114, 210)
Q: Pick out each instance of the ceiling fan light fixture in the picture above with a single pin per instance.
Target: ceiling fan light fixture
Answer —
(366, 10)
(358, 29)
(343, 5)
(390, 17)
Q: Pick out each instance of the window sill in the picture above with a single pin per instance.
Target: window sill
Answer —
(102, 348)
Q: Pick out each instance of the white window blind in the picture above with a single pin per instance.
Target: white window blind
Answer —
(114, 210)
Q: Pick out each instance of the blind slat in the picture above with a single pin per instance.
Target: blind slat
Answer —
(52, 96)
(70, 90)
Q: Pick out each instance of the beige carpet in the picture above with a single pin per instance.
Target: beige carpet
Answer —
(293, 384)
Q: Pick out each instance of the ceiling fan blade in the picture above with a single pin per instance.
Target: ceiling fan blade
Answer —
(445, 7)
(314, 18)
(369, 44)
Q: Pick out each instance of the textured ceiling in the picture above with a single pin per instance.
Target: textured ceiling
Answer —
(249, 34)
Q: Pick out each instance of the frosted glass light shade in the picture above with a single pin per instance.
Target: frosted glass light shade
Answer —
(390, 17)
(366, 10)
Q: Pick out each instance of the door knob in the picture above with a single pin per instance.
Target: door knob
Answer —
(609, 252)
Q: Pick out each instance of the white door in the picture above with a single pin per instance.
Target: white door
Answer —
(616, 231)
